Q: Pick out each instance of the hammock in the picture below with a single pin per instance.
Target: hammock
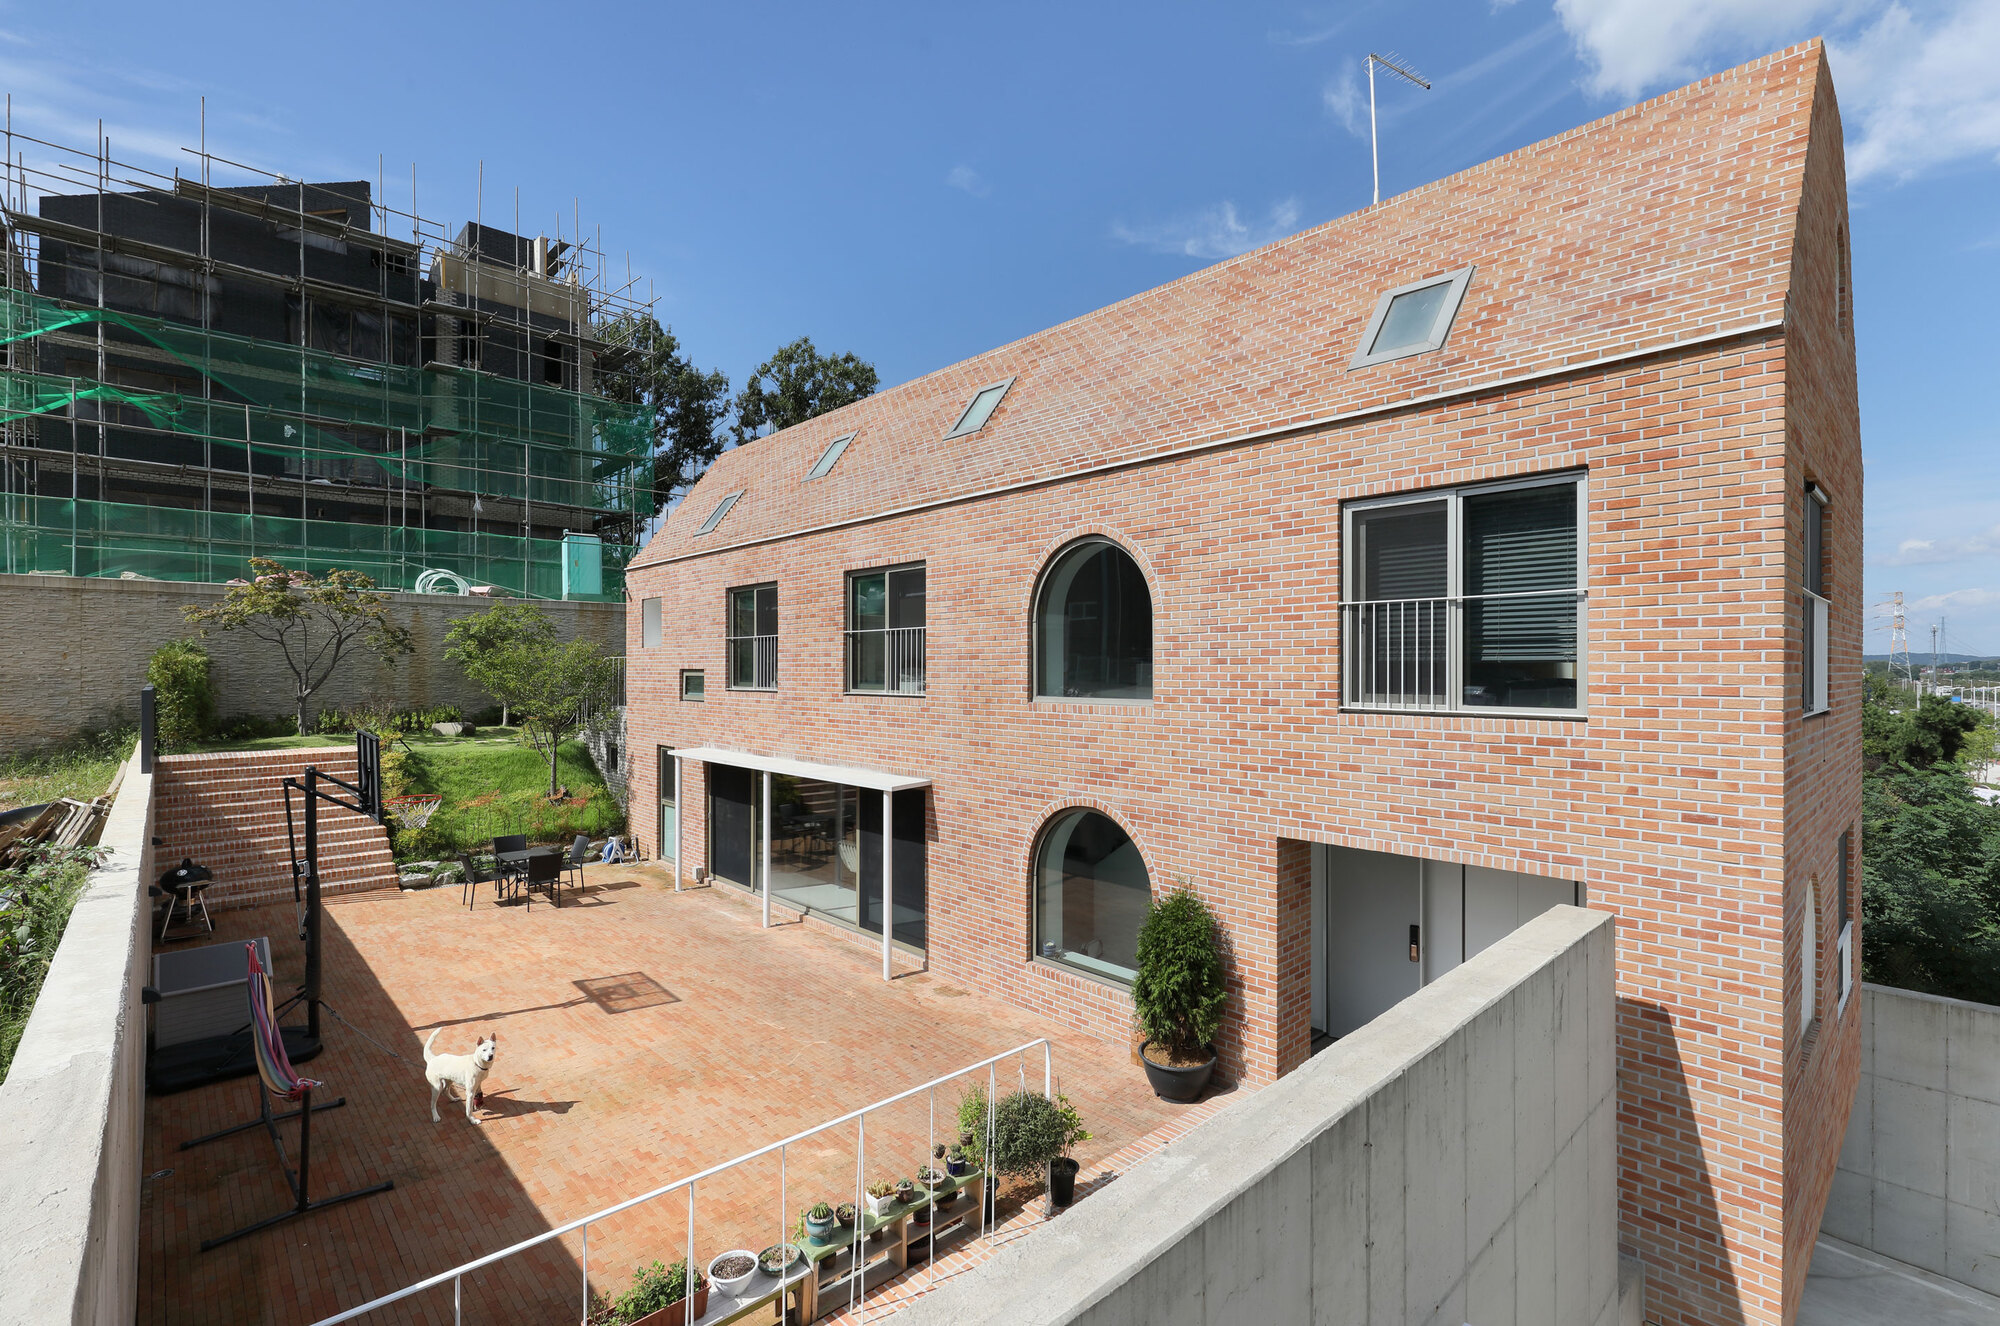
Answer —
(268, 1039)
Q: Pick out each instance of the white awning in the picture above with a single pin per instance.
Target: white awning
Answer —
(874, 779)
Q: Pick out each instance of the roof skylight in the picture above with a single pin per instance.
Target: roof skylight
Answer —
(1413, 319)
(828, 458)
(981, 409)
(721, 510)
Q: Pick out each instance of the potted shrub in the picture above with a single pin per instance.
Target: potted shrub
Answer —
(819, 1223)
(658, 1296)
(1179, 995)
(1027, 1134)
(732, 1270)
(880, 1197)
(1062, 1169)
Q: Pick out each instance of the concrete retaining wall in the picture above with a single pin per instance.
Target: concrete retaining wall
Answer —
(1919, 1175)
(77, 648)
(1456, 1160)
(72, 1108)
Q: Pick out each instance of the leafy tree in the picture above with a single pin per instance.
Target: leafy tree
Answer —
(799, 383)
(687, 406)
(1935, 732)
(183, 693)
(315, 621)
(472, 642)
(556, 686)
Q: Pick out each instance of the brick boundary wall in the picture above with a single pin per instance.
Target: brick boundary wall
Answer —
(77, 648)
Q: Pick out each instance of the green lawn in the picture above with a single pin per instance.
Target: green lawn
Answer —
(81, 767)
(494, 785)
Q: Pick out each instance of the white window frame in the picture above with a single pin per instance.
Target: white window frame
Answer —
(1440, 326)
(959, 429)
(1454, 688)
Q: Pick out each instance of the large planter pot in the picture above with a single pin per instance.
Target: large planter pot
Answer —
(675, 1314)
(731, 1285)
(1182, 1084)
(818, 1231)
(1062, 1181)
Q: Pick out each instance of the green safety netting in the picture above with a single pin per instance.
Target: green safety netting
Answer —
(375, 426)
(61, 536)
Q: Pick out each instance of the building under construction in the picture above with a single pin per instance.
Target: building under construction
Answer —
(197, 374)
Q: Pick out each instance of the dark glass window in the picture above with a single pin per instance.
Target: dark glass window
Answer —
(753, 638)
(1091, 895)
(1094, 627)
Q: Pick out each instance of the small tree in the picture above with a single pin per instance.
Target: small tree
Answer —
(1178, 992)
(315, 621)
(1028, 1132)
(512, 653)
(474, 642)
(184, 696)
(799, 383)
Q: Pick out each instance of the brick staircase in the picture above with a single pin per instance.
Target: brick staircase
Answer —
(226, 810)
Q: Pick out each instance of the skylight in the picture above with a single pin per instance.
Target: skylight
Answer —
(828, 458)
(721, 510)
(981, 409)
(1413, 319)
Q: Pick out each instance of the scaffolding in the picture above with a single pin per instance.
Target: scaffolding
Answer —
(435, 403)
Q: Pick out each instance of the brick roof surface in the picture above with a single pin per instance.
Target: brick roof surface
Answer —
(1664, 222)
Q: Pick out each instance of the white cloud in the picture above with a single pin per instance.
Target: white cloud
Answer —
(1958, 598)
(1928, 552)
(1924, 90)
(1919, 84)
(1636, 46)
(969, 180)
(1213, 233)
(1342, 99)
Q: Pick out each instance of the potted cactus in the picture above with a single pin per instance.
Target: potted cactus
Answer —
(880, 1196)
(819, 1223)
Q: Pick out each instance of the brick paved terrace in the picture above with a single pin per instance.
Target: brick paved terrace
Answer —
(644, 1035)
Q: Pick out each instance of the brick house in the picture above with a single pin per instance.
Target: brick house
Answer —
(1492, 547)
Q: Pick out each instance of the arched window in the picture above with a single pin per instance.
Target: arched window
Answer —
(1094, 626)
(1091, 892)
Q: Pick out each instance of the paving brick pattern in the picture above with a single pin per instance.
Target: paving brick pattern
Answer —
(643, 1035)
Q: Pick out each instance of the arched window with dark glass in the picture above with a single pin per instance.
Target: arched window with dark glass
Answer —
(1091, 893)
(1094, 626)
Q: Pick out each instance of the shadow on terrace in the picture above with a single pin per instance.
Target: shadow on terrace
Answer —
(644, 1035)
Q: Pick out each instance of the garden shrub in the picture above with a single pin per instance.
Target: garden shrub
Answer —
(1028, 1132)
(36, 897)
(1178, 992)
(183, 694)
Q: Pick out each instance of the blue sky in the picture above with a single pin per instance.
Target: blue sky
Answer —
(918, 183)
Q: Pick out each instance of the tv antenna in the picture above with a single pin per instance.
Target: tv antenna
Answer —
(1392, 63)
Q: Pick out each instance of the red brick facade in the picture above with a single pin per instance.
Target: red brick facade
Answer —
(1657, 302)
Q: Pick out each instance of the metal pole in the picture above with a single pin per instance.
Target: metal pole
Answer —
(888, 878)
(679, 816)
(586, 1232)
(767, 849)
(312, 902)
(1374, 152)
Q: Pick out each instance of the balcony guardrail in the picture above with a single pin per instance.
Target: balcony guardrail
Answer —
(753, 662)
(890, 660)
(856, 1286)
(1397, 653)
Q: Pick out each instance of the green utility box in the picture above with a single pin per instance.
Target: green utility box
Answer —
(583, 566)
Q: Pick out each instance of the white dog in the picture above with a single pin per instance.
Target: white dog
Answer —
(464, 1071)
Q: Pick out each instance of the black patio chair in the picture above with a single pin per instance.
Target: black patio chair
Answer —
(468, 892)
(544, 872)
(509, 842)
(579, 852)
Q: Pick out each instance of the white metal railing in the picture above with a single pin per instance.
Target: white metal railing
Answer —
(1816, 697)
(753, 662)
(1398, 653)
(858, 1286)
(889, 659)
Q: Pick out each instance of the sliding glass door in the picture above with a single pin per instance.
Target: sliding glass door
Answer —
(735, 823)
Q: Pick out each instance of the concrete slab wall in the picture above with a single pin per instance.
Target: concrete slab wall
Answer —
(1919, 1173)
(73, 1105)
(79, 646)
(1454, 1160)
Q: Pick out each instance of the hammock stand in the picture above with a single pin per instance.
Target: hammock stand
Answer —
(274, 1066)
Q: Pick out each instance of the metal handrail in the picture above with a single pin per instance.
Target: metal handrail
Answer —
(905, 660)
(457, 1273)
(763, 662)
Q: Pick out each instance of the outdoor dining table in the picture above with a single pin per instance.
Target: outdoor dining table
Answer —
(513, 866)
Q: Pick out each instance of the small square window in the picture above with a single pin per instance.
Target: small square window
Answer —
(982, 408)
(830, 457)
(694, 684)
(1412, 319)
(715, 516)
